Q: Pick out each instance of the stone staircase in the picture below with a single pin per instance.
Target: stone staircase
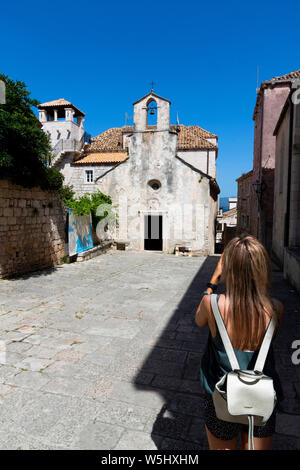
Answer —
(64, 146)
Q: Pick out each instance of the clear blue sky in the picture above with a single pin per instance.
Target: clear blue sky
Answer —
(203, 56)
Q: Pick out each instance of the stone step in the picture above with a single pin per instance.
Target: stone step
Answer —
(95, 251)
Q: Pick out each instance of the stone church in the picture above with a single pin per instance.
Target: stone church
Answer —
(161, 177)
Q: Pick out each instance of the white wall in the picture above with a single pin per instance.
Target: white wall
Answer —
(199, 159)
(75, 131)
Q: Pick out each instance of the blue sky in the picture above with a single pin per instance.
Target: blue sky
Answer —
(203, 56)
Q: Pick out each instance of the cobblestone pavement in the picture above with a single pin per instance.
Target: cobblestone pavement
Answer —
(105, 354)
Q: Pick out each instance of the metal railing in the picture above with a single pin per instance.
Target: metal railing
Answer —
(67, 145)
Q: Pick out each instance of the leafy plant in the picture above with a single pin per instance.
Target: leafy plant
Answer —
(86, 204)
(24, 148)
(66, 193)
(51, 178)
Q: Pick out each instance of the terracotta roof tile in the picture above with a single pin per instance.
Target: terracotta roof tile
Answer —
(110, 140)
(287, 76)
(194, 137)
(95, 158)
(230, 212)
(189, 137)
(58, 103)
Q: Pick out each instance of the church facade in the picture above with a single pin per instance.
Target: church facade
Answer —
(161, 178)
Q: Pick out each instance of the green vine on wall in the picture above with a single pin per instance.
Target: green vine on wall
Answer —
(86, 204)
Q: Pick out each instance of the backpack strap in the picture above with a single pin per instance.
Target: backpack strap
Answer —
(223, 333)
(264, 349)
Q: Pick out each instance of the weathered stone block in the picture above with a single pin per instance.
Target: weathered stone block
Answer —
(17, 211)
(8, 212)
(28, 242)
(45, 228)
(4, 202)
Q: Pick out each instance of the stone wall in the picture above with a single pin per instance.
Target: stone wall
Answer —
(291, 267)
(229, 234)
(286, 235)
(280, 189)
(75, 175)
(246, 210)
(204, 160)
(32, 229)
(183, 198)
(266, 117)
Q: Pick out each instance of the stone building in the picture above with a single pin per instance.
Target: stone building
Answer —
(270, 100)
(226, 225)
(286, 222)
(228, 218)
(63, 123)
(32, 229)
(245, 212)
(232, 202)
(161, 177)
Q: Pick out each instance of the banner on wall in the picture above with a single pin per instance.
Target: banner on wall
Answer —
(80, 233)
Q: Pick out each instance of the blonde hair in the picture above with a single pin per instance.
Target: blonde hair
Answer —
(246, 272)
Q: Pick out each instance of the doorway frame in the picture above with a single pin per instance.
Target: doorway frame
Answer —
(165, 225)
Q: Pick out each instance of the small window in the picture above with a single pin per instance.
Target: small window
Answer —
(89, 176)
(154, 184)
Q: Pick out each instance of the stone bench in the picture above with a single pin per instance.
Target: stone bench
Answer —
(184, 249)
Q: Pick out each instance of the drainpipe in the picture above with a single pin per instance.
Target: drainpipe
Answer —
(288, 196)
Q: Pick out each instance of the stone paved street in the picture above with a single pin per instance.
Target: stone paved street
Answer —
(105, 354)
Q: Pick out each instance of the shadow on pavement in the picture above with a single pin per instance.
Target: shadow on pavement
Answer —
(175, 359)
(34, 274)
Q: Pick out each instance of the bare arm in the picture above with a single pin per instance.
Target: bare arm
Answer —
(201, 317)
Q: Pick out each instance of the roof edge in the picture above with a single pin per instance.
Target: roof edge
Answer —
(244, 175)
(153, 94)
(66, 105)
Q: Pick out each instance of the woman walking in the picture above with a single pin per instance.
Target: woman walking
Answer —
(246, 310)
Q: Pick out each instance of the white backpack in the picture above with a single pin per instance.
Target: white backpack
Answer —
(244, 396)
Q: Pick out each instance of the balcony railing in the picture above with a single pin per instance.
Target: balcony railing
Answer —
(67, 145)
